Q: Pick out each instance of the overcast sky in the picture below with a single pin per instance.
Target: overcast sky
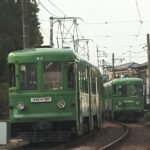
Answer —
(116, 26)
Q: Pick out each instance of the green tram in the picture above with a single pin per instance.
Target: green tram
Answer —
(54, 94)
(124, 98)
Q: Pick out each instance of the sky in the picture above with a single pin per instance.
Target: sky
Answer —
(112, 26)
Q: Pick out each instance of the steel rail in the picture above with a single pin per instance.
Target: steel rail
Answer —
(113, 143)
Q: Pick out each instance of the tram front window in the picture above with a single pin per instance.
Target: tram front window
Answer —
(133, 90)
(122, 90)
(136, 90)
(28, 77)
(52, 76)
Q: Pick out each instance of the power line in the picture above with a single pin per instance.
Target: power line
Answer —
(114, 22)
(44, 33)
(98, 23)
(140, 19)
(138, 33)
(112, 36)
(46, 8)
(57, 8)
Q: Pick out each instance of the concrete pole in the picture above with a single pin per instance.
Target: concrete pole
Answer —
(148, 54)
(51, 32)
(113, 63)
(25, 24)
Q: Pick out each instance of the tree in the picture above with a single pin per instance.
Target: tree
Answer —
(11, 30)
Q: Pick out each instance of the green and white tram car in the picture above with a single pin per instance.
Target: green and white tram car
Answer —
(53, 94)
(124, 98)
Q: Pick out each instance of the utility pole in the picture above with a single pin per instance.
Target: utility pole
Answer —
(25, 24)
(148, 54)
(113, 64)
(98, 61)
(87, 43)
(51, 32)
(103, 66)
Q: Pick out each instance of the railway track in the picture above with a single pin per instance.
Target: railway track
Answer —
(117, 140)
(83, 143)
(112, 135)
(139, 138)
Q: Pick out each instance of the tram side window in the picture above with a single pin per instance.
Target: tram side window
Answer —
(84, 80)
(93, 81)
(12, 82)
(52, 76)
(71, 76)
(28, 76)
(122, 90)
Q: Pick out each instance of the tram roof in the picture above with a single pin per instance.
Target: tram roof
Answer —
(132, 79)
(124, 81)
(35, 54)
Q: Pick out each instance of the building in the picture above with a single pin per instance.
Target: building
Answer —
(126, 70)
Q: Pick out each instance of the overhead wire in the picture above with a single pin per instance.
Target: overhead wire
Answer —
(138, 10)
(68, 30)
(108, 22)
(52, 14)
(140, 20)
(57, 8)
(44, 33)
(46, 8)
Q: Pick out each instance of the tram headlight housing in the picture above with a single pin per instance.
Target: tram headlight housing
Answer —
(20, 106)
(137, 102)
(61, 104)
(119, 103)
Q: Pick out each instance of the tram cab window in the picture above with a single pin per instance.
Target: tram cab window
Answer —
(28, 76)
(136, 89)
(12, 82)
(122, 90)
(71, 75)
(133, 90)
(52, 76)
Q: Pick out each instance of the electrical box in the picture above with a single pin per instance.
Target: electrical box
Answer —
(4, 138)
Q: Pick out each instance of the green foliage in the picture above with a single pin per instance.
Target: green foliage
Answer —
(3, 100)
(11, 38)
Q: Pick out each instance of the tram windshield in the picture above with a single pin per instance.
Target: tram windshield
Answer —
(52, 76)
(28, 76)
(120, 90)
(135, 90)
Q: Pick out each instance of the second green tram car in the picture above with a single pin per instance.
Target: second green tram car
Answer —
(53, 94)
(124, 98)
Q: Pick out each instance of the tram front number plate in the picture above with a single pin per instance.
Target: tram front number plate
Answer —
(40, 99)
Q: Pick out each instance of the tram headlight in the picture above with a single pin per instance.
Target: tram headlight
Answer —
(119, 103)
(137, 102)
(20, 106)
(61, 104)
